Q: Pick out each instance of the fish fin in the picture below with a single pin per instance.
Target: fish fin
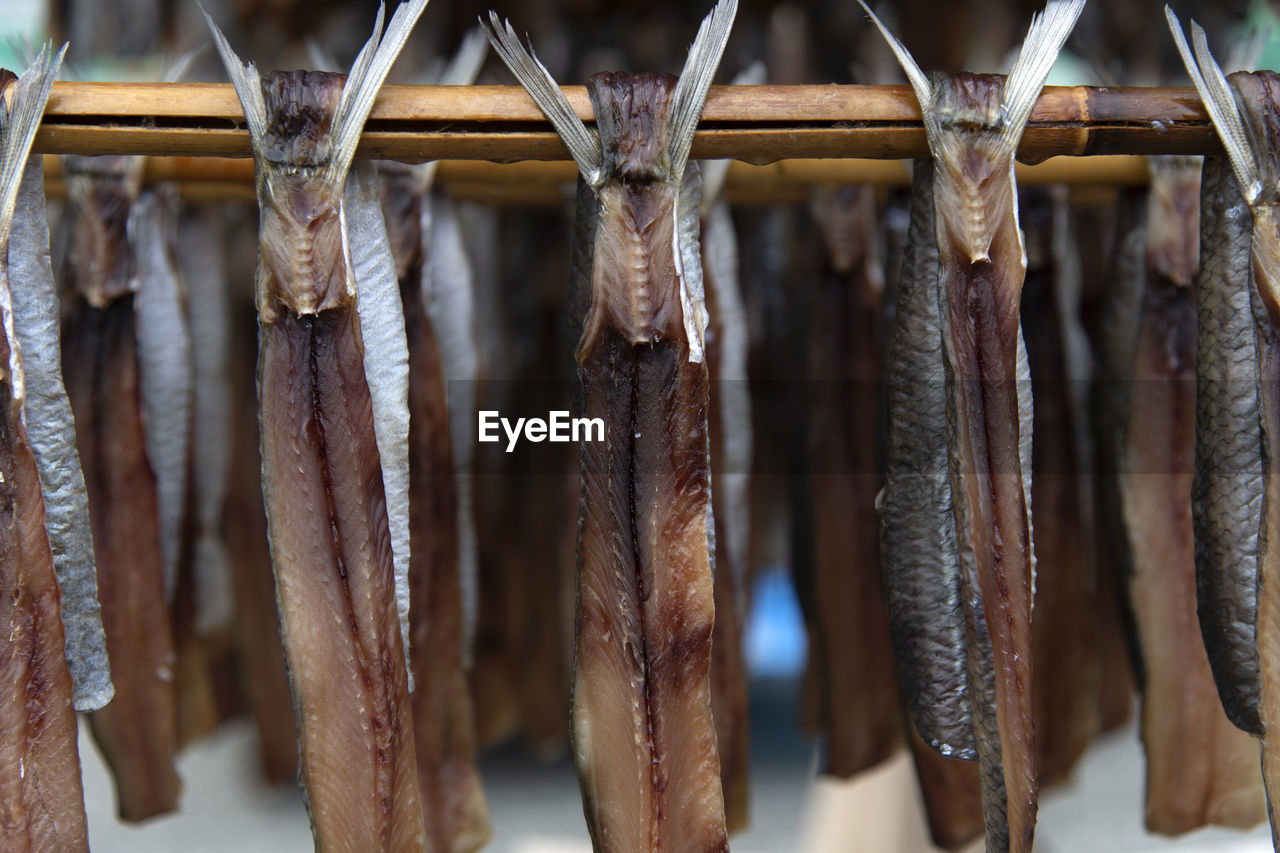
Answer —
(386, 365)
(919, 82)
(22, 119)
(1214, 91)
(244, 77)
(1048, 32)
(465, 65)
(700, 66)
(583, 144)
(181, 64)
(714, 172)
(371, 67)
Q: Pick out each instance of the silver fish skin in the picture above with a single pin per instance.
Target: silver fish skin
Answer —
(52, 437)
(386, 361)
(449, 296)
(917, 522)
(1227, 488)
(202, 247)
(165, 368)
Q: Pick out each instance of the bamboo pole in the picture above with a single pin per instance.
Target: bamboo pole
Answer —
(755, 124)
(534, 182)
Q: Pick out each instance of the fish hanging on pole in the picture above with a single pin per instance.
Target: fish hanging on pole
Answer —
(40, 793)
(435, 289)
(111, 227)
(973, 124)
(1234, 494)
(333, 396)
(642, 731)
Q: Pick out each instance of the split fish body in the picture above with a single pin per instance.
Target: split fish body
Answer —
(137, 730)
(326, 510)
(642, 731)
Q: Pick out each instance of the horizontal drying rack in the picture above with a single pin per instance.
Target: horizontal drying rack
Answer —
(782, 134)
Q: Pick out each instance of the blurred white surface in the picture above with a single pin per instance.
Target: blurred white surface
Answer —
(535, 806)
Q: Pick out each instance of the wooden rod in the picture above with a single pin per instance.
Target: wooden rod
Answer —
(535, 182)
(755, 124)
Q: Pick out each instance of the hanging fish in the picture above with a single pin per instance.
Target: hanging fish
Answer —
(859, 700)
(1068, 671)
(110, 224)
(729, 421)
(40, 793)
(642, 731)
(1234, 503)
(973, 124)
(429, 259)
(333, 392)
(1200, 769)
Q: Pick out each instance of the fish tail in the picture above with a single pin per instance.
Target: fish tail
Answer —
(1048, 32)
(700, 66)
(22, 119)
(582, 143)
(1212, 85)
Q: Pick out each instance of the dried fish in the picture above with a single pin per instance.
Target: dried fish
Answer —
(36, 325)
(41, 793)
(1236, 510)
(333, 386)
(1200, 768)
(1068, 672)
(729, 421)
(202, 244)
(427, 262)
(643, 735)
(974, 124)
(860, 704)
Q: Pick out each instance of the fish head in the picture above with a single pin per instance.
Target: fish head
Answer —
(632, 118)
(974, 191)
(1173, 219)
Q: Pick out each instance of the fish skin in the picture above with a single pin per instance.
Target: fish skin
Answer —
(137, 730)
(165, 367)
(454, 810)
(1258, 94)
(36, 319)
(1227, 489)
(917, 521)
(202, 244)
(861, 706)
